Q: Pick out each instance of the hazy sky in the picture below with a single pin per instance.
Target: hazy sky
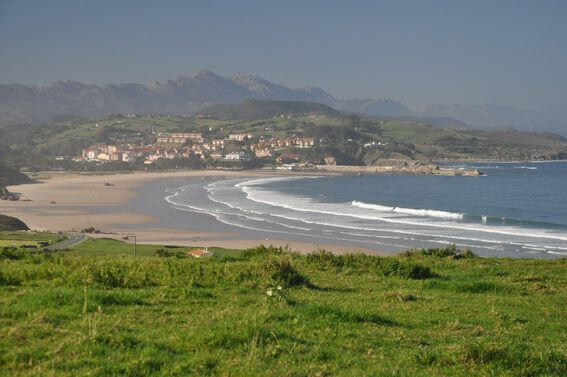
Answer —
(421, 52)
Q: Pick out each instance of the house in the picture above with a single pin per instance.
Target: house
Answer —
(128, 156)
(198, 253)
(240, 137)
(305, 142)
(90, 154)
(237, 156)
(115, 156)
(103, 156)
(264, 152)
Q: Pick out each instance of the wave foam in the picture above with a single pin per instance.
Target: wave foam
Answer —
(409, 211)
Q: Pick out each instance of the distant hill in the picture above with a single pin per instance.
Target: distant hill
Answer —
(182, 95)
(552, 119)
(380, 107)
(186, 95)
(8, 223)
(258, 109)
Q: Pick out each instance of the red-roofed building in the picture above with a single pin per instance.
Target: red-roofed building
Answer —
(198, 253)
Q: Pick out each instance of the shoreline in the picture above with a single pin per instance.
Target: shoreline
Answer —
(72, 202)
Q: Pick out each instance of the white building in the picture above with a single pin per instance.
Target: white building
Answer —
(237, 156)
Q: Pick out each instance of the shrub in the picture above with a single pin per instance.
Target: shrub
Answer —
(450, 252)
(265, 251)
(389, 266)
(162, 253)
(395, 267)
(11, 253)
(7, 279)
(280, 271)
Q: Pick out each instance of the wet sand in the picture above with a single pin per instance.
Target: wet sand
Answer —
(110, 203)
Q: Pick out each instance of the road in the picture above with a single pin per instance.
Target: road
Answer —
(72, 240)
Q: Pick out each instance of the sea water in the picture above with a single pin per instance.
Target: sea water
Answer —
(514, 210)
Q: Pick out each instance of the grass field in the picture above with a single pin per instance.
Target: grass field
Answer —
(28, 236)
(112, 247)
(5, 243)
(272, 313)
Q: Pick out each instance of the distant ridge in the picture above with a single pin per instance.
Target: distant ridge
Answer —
(182, 95)
(256, 109)
(186, 95)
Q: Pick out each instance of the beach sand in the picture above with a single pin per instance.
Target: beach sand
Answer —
(72, 202)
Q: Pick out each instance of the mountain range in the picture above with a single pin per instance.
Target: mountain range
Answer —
(64, 100)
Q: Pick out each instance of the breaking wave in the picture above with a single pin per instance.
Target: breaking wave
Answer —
(409, 211)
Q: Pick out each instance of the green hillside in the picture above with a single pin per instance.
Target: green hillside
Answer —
(350, 139)
(257, 109)
(267, 312)
(8, 223)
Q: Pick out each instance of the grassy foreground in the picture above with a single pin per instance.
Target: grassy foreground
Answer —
(269, 312)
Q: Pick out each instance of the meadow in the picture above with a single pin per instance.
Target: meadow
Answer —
(271, 312)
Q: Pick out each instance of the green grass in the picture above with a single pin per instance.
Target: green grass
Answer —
(6, 243)
(414, 133)
(29, 236)
(67, 315)
(112, 247)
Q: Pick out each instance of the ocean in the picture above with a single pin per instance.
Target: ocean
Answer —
(515, 210)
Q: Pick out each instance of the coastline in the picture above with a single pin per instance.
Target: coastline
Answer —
(72, 202)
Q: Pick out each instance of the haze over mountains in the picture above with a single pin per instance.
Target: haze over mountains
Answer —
(186, 95)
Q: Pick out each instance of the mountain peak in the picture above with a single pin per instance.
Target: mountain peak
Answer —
(243, 76)
(205, 74)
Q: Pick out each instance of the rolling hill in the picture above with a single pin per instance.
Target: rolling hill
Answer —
(180, 96)
(349, 139)
(8, 223)
(257, 109)
(185, 95)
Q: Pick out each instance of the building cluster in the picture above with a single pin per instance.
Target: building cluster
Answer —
(184, 145)
(267, 148)
(180, 138)
(311, 115)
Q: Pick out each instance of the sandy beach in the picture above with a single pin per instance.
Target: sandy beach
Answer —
(71, 202)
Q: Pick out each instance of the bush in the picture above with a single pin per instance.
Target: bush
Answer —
(394, 267)
(450, 252)
(264, 251)
(11, 253)
(389, 266)
(6, 279)
(162, 253)
(280, 271)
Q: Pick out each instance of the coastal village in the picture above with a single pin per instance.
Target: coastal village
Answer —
(235, 147)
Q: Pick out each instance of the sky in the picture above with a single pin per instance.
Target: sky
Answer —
(507, 52)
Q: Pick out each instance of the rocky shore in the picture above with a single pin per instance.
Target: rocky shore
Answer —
(400, 166)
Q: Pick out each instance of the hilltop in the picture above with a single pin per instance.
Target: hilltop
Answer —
(183, 95)
(260, 109)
